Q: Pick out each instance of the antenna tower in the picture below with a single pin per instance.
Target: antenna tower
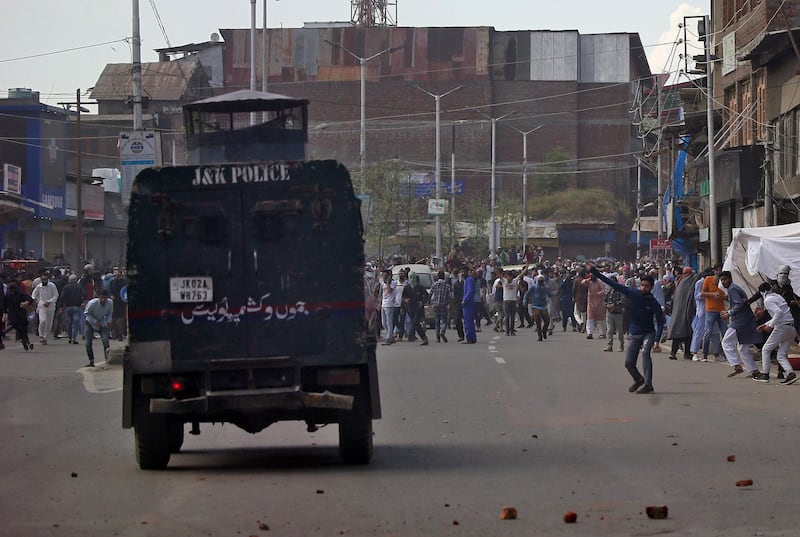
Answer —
(373, 12)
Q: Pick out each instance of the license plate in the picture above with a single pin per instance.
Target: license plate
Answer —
(191, 289)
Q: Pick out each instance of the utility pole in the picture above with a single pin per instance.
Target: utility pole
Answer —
(638, 209)
(713, 231)
(452, 184)
(79, 193)
(438, 99)
(658, 162)
(78, 180)
(136, 69)
(769, 214)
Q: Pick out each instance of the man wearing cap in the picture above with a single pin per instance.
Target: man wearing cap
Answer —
(781, 332)
(45, 296)
(783, 286)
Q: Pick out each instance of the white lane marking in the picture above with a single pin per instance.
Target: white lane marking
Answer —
(499, 360)
(495, 337)
(490, 347)
(493, 350)
(101, 378)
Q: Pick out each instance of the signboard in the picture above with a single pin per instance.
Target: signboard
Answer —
(661, 249)
(423, 185)
(437, 207)
(137, 150)
(427, 190)
(729, 53)
(93, 202)
(12, 179)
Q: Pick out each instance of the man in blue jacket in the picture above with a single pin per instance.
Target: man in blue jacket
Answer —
(644, 308)
(468, 307)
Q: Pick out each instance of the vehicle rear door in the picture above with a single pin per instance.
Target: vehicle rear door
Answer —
(280, 273)
(204, 264)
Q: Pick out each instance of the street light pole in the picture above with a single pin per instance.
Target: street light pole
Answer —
(438, 99)
(363, 137)
(525, 181)
(492, 223)
(265, 55)
(362, 145)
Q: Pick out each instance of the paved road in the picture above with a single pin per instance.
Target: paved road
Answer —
(545, 427)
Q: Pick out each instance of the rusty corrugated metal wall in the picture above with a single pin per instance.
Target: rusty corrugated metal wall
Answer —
(304, 54)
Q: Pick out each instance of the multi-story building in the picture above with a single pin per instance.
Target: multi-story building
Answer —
(578, 89)
(41, 143)
(756, 105)
(33, 156)
(758, 85)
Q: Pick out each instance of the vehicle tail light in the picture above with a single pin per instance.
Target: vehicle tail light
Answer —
(177, 385)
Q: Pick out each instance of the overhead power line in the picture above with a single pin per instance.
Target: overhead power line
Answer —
(42, 54)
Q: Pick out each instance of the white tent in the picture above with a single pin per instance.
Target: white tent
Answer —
(755, 253)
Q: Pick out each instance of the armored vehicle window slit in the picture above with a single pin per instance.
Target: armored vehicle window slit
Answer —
(210, 228)
(276, 220)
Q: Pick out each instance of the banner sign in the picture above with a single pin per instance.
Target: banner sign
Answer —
(437, 207)
(12, 179)
(137, 150)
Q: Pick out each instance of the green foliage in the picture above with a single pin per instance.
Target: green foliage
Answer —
(552, 175)
(383, 183)
(577, 206)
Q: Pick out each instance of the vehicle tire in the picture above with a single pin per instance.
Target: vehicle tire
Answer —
(355, 437)
(175, 433)
(152, 438)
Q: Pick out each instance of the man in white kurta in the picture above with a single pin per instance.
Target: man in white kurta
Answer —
(44, 296)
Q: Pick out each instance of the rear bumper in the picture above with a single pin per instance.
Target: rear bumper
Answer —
(253, 400)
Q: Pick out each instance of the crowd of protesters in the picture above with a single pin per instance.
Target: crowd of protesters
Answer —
(55, 304)
(701, 316)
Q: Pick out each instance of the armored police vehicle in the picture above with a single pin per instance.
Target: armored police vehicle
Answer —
(230, 319)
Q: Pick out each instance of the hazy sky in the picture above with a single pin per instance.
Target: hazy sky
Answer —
(48, 27)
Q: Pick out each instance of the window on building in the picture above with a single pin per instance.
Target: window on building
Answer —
(796, 147)
(760, 95)
(730, 112)
(745, 135)
(728, 11)
(786, 142)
